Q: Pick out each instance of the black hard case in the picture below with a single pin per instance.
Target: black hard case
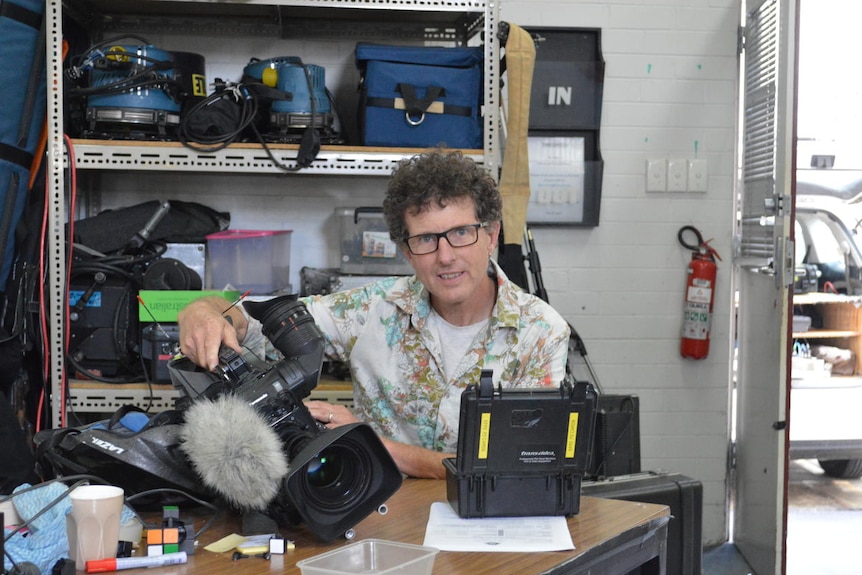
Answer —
(682, 494)
(521, 452)
(616, 441)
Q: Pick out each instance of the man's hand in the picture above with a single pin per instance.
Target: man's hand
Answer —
(330, 414)
(204, 328)
(417, 461)
(410, 459)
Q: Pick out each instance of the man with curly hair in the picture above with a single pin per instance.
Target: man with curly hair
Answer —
(414, 343)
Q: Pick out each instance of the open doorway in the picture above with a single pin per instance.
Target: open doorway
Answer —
(824, 489)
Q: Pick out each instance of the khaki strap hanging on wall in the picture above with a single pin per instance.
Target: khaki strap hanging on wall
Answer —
(515, 176)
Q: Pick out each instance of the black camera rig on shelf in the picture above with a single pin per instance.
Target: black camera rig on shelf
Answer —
(115, 255)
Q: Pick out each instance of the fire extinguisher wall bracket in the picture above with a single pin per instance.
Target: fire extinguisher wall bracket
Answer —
(699, 295)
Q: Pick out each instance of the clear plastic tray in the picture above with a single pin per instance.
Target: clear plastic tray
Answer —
(372, 556)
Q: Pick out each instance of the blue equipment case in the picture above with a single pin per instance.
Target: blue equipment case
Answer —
(22, 59)
(420, 96)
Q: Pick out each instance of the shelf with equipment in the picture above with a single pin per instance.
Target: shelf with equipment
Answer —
(320, 31)
(839, 322)
(339, 22)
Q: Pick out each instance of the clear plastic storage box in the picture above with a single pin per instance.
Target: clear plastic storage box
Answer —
(372, 556)
(255, 260)
(366, 248)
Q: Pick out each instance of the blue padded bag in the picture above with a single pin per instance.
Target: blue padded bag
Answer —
(420, 96)
(22, 59)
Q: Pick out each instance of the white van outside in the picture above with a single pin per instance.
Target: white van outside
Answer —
(826, 394)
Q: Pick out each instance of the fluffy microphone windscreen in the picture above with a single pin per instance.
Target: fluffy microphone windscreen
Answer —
(234, 451)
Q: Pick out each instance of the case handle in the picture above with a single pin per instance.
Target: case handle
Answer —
(369, 210)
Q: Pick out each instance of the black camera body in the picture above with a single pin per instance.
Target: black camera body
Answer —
(276, 391)
(336, 477)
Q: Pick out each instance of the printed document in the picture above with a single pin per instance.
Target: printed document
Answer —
(449, 532)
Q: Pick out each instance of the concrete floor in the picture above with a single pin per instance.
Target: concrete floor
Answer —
(824, 528)
(824, 524)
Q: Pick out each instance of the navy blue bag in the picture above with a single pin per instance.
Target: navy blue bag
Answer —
(22, 59)
(417, 96)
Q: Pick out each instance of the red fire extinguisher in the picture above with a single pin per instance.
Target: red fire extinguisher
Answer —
(699, 295)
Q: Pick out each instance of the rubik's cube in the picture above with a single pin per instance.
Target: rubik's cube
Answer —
(171, 536)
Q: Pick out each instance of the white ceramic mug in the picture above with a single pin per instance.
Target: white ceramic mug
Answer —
(93, 526)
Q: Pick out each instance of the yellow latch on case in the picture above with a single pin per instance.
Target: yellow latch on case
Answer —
(484, 435)
(572, 437)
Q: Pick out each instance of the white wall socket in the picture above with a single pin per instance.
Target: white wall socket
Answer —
(697, 176)
(677, 175)
(656, 175)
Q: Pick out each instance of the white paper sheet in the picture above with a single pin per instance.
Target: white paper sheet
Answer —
(557, 173)
(448, 532)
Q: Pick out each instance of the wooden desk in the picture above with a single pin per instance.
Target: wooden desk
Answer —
(610, 536)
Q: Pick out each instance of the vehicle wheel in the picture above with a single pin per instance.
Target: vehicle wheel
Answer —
(842, 468)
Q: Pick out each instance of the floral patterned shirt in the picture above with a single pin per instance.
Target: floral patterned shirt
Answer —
(381, 331)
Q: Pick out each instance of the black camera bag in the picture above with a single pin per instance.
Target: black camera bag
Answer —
(133, 450)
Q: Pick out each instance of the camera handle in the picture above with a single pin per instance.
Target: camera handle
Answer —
(486, 384)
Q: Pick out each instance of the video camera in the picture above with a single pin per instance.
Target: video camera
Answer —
(335, 477)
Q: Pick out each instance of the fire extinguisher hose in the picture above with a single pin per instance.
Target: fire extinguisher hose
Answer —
(700, 246)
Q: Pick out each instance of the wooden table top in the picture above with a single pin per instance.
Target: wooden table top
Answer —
(598, 522)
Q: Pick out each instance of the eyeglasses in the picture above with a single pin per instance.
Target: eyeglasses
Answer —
(459, 237)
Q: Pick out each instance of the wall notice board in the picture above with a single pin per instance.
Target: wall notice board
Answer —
(565, 115)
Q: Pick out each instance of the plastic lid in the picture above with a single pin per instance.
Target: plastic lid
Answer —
(270, 77)
(239, 234)
(101, 565)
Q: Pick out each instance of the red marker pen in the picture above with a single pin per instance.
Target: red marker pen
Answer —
(106, 565)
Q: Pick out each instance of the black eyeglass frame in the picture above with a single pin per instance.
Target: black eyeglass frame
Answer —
(438, 235)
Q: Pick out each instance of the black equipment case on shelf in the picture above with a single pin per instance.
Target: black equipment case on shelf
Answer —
(682, 494)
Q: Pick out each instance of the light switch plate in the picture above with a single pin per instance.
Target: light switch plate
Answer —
(677, 175)
(697, 176)
(656, 175)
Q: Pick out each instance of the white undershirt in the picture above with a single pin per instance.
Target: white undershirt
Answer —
(455, 340)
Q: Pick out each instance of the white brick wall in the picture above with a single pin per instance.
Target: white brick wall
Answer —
(670, 91)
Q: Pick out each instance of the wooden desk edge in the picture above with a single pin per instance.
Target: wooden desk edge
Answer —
(599, 527)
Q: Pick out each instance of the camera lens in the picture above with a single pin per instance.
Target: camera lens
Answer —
(287, 324)
(325, 470)
(336, 477)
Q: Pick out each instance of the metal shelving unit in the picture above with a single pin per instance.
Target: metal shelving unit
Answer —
(86, 397)
(238, 158)
(435, 20)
